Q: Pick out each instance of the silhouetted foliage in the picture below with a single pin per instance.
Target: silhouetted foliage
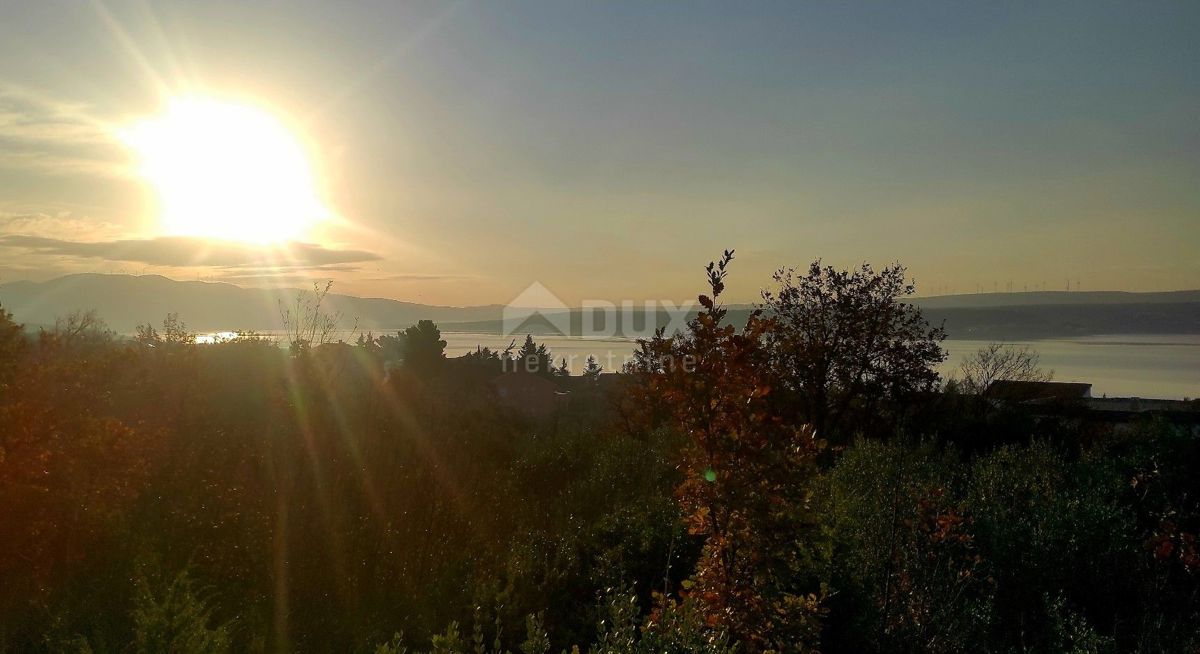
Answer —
(847, 349)
(905, 562)
(175, 616)
(535, 358)
(324, 500)
(305, 323)
(12, 346)
(421, 347)
(999, 361)
(592, 368)
(174, 334)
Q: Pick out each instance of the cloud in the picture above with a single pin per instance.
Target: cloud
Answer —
(417, 277)
(280, 274)
(183, 251)
(273, 279)
(56, 137)
(53, 224)
(247, 273)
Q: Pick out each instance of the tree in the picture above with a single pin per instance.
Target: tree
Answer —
(1000, 361)
(371, 345)
(306, 323)
(846, 348)
(70, 464)
(177, 617)
(174, 333)
(904, 559)
(422, 347)
(593, 369)
(12, 346)
(534, 357)
(562, 370)
(147, 335)
(746, 473)
(78, 329)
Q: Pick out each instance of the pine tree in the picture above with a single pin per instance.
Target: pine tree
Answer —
(534, 357)
(593, 369)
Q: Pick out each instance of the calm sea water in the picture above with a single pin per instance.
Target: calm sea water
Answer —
(1158, 366)
(1163, 366)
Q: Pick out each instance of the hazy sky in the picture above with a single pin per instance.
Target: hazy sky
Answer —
(609, 149)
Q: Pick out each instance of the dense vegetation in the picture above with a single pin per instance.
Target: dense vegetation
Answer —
(796, 484)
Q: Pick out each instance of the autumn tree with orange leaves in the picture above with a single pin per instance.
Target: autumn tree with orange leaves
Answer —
(744, 490)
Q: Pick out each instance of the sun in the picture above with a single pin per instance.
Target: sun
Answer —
(226, 170)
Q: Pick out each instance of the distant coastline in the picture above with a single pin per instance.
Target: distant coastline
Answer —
(124, 301)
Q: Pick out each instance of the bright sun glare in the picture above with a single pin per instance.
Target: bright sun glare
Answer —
(226, 170)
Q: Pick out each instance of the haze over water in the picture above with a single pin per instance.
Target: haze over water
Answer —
(1158, 366)
(1120, 365)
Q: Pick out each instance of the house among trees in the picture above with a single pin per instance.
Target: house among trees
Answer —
(1071, 400)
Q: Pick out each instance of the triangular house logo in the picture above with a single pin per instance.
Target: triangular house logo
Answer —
(537, 309)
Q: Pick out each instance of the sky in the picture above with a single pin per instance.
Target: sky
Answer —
(463, 151)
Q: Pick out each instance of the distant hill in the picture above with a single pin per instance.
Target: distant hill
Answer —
(997, 323)
(124, 301)
(1059, 298)
(1010, 323)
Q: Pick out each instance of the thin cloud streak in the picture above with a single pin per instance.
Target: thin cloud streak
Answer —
(418, 277)
(183, 251)
(56, 138)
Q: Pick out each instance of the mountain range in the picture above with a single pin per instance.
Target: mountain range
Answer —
(124, 301)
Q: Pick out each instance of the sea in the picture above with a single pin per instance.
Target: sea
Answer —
(1163, 366)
